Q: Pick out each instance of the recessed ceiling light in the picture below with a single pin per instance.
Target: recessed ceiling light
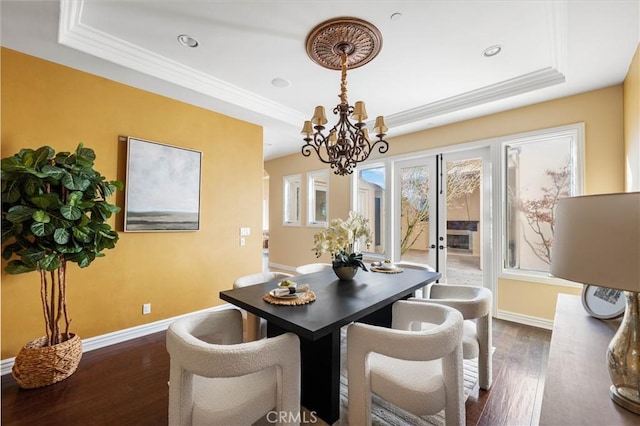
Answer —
(187, 40)
(492, 50)
(395, 17)
(280, 82)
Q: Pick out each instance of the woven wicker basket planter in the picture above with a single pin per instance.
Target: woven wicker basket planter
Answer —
(37, 365)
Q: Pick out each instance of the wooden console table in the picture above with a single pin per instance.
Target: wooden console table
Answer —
(576, 390)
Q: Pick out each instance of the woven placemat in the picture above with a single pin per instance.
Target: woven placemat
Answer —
(387, 271)
(303, 299)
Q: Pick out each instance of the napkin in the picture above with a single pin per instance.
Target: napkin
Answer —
(284, 291)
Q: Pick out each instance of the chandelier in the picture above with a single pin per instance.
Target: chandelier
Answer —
(338, 44)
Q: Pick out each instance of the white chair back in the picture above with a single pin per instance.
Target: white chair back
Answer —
(418, 371)
(312, 267)
(214, 378)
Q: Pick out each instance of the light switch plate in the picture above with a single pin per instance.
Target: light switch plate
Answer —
(245, 231)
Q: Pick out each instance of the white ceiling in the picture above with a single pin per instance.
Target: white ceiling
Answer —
(430, 70)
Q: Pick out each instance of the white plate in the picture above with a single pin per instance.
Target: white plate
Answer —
(288, 296)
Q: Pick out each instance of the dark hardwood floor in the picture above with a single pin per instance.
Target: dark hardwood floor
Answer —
(126, 384)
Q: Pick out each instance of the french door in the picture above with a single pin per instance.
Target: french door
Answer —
(443, 214)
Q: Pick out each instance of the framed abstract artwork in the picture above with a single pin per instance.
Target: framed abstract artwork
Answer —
(162, 187)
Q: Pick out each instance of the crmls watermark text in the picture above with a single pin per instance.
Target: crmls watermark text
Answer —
(291, 417)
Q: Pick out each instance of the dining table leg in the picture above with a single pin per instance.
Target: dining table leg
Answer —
(320, 371)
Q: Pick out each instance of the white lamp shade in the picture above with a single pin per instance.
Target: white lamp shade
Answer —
(597, 240)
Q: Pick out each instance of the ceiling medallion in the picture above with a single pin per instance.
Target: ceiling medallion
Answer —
(358, 38)
(338, 44)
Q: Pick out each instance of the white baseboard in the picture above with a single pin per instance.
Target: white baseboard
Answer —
(119, 336)
(525, 319)
(282, 267)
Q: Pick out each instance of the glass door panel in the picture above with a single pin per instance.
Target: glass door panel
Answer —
(371, 204)
(462, 219)
(416, 227)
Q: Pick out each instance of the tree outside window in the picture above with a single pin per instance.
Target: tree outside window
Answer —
(539, 173)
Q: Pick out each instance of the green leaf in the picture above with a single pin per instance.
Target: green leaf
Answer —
(83, 259)
(40, 229)
(12, 164)
(70, 212)
(18, 267)
(61, 236)
(46, 201)
(74, 198)
(86, 154)
(73, 182)
(31, 256)
(82, 234)
(18, 214)
(43, 154)
(32, 186)
(70, 247)
(10, 249)
(10, 230)
(10, 192)
(53, 172)
(49, 263)
(41, 216)
(28, 158)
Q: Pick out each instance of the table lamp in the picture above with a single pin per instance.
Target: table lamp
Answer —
(597, 241)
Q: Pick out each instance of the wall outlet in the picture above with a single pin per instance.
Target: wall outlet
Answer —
(146, 308)
(242, 241)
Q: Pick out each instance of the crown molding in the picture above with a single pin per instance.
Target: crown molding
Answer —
(505, 89)
(75, 34)
(557, 20)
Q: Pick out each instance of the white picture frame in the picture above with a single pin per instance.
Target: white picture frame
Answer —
(603, 303)
(162, 187)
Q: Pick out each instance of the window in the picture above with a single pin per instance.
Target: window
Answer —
(539, 170)
(291, 199)
(318, 190)
(371, 204)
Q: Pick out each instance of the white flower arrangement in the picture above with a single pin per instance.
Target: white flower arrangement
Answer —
(341, 238)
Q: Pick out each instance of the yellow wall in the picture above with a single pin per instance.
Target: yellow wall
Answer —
(600, 110)
(632, 123)
(48, 104)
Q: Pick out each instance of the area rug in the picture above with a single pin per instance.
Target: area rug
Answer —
(386, 414)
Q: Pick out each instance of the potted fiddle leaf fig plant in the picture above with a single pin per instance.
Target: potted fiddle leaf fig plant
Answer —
(54, 211)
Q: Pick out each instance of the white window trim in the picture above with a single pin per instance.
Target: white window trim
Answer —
(311, 198)
(285, 197)
(574, 130)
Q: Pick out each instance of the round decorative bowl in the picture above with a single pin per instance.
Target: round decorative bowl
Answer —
(345, 272)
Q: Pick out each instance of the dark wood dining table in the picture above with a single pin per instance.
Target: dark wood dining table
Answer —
(367, 298)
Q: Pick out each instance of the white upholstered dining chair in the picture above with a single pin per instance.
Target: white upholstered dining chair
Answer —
(215, 379)
(312, 267)
(475, 305)
(414, 265)
(256, 327)
(418, 371)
